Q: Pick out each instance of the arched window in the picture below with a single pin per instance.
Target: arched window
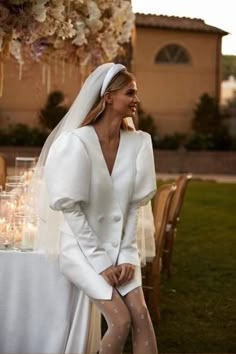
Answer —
(172, 54)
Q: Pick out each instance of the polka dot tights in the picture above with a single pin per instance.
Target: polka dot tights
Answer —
(121, 314)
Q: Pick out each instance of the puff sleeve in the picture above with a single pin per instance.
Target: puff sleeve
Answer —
(145, 179)
(67, 176)
(144, 190)
(67, 172)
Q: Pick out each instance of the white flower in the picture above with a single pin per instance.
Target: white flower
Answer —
(66, 30)
(93, 22)
(15, 50)
(86, 31)
(78, 2)
(105, 4)
(58, 11)
(94, 25)
(123, 21)
(94, 12)
(81, 33)
(109, 45)
(39, 11)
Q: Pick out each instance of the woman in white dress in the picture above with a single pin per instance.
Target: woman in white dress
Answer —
(98, 172)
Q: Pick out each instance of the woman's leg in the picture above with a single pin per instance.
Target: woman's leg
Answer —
(118, 321)
(143, 335)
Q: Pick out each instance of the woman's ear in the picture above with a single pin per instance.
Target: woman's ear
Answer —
(108, 97)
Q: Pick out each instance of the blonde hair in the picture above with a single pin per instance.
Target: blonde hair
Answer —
(119, 81)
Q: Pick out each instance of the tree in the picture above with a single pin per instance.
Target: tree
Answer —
(209, 130)
(228, 66)
(207, 116)
(53, 111)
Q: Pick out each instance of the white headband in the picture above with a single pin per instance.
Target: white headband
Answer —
(109, 75)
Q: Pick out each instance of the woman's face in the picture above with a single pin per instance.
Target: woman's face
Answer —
(124, 101)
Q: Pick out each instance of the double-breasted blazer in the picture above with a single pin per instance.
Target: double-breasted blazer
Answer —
(100, 209)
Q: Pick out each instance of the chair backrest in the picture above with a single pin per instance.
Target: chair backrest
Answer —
(162, 202)
(3, 170)
(177, 200)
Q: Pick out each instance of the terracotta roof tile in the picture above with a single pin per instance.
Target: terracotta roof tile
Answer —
(177, 23)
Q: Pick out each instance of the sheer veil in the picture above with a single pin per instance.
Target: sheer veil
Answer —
(47, 238)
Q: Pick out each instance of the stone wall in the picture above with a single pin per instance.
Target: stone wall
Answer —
(204, 162)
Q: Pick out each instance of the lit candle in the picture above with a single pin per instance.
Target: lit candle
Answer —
(28, 235)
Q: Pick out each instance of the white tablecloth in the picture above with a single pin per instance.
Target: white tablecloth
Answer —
(41, 311)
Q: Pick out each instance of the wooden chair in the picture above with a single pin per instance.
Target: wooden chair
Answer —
(3, 170)
(151, 272)
(173, 219)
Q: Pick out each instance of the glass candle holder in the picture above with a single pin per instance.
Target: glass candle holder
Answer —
(6, 240)
(24, 166)
(25, 227)
(14, 179)
(15, 188)
(8, 205)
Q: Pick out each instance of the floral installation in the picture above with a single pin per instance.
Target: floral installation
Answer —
(84, 32)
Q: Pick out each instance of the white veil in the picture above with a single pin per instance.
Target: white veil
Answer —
(47, 238)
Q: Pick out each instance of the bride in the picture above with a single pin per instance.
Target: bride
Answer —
(96, 171)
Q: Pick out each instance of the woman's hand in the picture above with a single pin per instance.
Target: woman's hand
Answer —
(111, 275)
(126, 273)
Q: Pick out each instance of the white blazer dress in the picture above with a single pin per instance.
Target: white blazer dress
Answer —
(99, 208)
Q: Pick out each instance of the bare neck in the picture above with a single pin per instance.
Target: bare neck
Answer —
(108, 127)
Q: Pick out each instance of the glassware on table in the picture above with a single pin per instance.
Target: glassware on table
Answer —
(14, 179)
(8, 204)
(7, 209)
(6, 240)
(15, 188)
(24, 166)
(18, 190)
(24, 229)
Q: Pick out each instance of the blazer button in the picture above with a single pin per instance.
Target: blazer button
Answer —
(116, 218)
(114, 243)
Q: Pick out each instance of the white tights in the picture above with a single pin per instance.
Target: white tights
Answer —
(121, 313)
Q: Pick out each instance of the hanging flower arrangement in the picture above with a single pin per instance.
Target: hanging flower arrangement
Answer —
(79, 31)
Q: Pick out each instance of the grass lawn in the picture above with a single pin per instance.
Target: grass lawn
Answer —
(198, 304)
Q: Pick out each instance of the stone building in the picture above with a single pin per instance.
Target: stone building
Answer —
(175, 60)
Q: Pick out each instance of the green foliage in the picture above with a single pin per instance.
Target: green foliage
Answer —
(170, 142)
(228, 66)
(231, 102)
(221, 140)
(53, 111)
(197, 141)
(207, 116)
(209, 131)
(22, 135)
(146, 123)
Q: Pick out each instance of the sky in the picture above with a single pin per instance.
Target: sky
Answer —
(217, 13)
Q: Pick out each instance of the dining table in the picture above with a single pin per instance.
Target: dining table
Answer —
(41, 311)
